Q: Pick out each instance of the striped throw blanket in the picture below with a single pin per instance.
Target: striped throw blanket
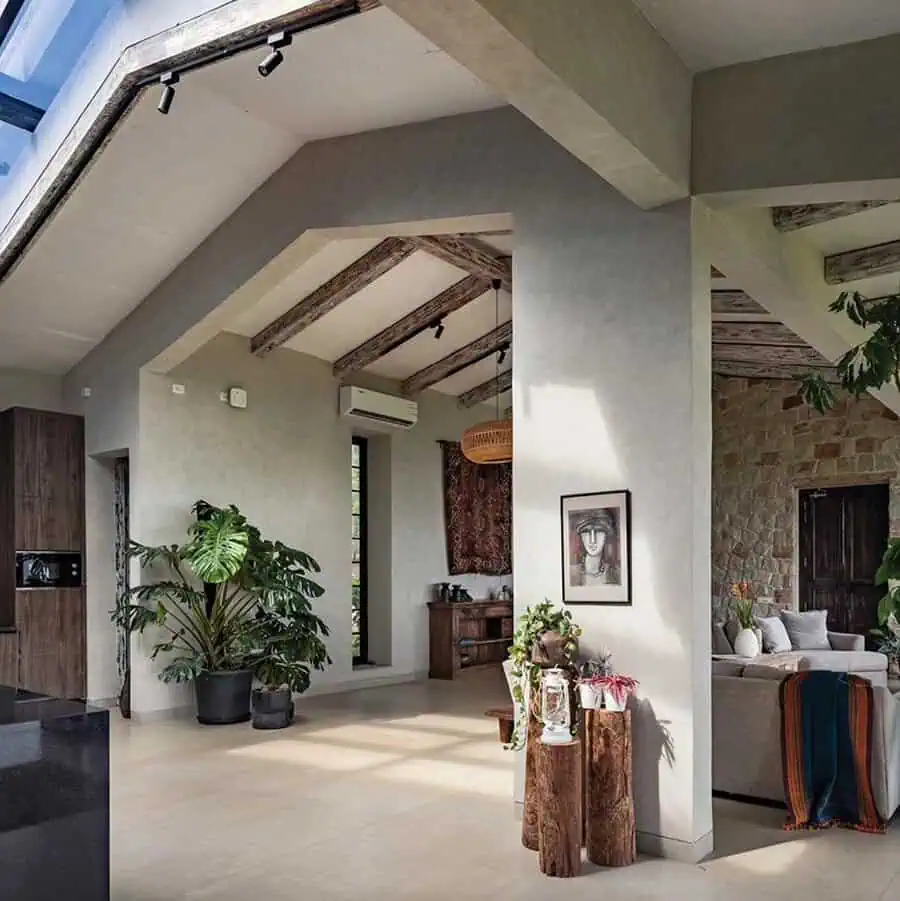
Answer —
(826, 746)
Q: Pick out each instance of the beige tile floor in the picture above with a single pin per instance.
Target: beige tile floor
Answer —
(404, 793)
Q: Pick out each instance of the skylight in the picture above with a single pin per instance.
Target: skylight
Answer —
(41, 45)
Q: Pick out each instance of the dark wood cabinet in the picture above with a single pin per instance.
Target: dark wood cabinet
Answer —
(42, 509)
(9, 658)
(467, 634)
(51, 630)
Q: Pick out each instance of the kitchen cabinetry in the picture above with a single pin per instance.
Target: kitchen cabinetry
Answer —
(42, 509)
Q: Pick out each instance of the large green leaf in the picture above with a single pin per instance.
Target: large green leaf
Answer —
(219, 546)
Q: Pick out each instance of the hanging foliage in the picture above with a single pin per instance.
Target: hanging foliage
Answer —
(873, 363)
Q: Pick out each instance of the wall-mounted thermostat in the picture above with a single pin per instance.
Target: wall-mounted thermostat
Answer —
(237, 398)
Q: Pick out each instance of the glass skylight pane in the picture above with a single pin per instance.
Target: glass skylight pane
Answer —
(43, 47)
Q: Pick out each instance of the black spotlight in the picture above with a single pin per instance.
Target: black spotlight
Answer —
(275, 57)
(501, 356)
(168, 81)
(439, 330)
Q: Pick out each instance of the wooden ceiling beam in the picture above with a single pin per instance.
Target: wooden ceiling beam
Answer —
(791, 218)
(429, 314)
(864, 262)
(733, 369)
(755, 333)
(468, 254)
(768, 355)
(362, 272)
(736, 302)
(472, 353)
(486, 390)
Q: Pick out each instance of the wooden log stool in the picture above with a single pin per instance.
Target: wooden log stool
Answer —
(609, 795)
(559, 782)
(531, 805)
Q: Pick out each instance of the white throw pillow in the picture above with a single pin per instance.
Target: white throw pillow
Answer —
(808, 631)
(775, 637)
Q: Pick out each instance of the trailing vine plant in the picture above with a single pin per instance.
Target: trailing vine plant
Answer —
(533, 624)
(869, 365)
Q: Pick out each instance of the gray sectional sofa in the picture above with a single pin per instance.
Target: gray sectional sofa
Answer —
(746, 721)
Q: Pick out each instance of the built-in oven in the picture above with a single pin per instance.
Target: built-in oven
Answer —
(48, 569)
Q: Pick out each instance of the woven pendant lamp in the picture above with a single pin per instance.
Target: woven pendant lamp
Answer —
(491, 441)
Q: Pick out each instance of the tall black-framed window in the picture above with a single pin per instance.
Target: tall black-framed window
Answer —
(360, 596)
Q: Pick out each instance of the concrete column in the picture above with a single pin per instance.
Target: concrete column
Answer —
(612, 391)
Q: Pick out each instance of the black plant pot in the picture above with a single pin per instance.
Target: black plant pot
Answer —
(272, 709)
(223, 697)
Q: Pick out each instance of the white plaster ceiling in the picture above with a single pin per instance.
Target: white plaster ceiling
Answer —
(707, 34)
(163, 183)
(398, 292)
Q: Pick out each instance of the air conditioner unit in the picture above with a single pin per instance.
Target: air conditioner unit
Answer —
(377, 408)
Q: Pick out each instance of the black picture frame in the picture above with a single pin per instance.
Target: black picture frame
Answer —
(602, 510)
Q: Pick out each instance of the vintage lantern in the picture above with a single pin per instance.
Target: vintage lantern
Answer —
(556, 711)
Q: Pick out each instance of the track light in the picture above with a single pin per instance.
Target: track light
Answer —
(439, 330)
(501, 356)
(168, 81)
(275, 57)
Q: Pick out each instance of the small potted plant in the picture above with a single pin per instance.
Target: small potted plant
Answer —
(545, 636)
(287, 639)
(616, 690)
(746, 642)
(590, 688)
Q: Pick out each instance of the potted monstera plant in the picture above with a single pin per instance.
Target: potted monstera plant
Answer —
(228, 604)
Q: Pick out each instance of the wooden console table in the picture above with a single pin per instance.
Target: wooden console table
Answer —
(467, 634)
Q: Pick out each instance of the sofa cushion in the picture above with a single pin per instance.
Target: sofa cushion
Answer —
(845, 661)
(727, 667)
(808, 631)
(766, 671)
(775, 636)
(720, 642)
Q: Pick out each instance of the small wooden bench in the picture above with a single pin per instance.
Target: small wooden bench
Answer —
(505, 717)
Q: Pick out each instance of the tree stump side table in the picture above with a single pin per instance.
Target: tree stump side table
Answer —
(559, 782)
(530, 813)
(609, 793)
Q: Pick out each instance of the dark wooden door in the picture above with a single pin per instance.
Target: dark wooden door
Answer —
(843, 534)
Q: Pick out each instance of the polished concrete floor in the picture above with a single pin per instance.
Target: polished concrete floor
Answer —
(404, 793)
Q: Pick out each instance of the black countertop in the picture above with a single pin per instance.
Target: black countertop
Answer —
(54, 799)
(18, 706)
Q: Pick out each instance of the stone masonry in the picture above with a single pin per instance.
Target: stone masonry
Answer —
(767, 444)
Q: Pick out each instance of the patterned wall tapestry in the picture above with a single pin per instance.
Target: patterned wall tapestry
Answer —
(123, 653)
(477, 515)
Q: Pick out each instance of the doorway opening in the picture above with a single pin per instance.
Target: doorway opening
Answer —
(843, 534)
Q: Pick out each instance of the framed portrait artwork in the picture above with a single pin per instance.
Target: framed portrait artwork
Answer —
(596, 548)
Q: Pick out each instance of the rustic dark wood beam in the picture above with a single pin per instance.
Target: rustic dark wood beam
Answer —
(864, 262)
(735, 302)
(768, 355)
(486, 390)
(715, 273)
(790, 218)
(732, 369)
(372, 265)
(472, 353)
(468, 254)
(756, 333)
(429, 314)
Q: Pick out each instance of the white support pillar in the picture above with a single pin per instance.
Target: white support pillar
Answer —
(612, 391)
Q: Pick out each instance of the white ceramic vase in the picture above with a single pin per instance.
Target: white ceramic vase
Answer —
(591, 698)
(610, 702)
(746, 644)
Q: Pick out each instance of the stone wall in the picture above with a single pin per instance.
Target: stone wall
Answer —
(767, 444)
